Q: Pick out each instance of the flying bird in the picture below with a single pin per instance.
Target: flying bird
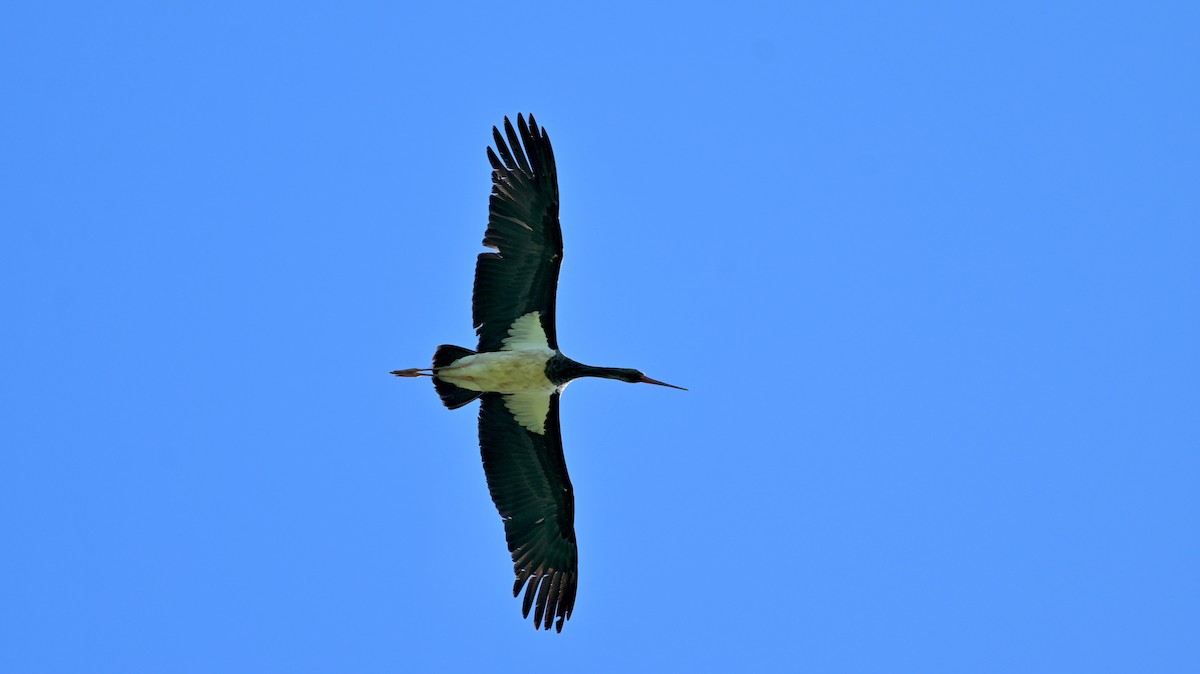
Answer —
(518, 372)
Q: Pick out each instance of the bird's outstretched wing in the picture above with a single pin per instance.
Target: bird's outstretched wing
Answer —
(527, 476)
(522, 276)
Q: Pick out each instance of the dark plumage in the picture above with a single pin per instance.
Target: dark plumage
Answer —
(523, 226)
(517, 372)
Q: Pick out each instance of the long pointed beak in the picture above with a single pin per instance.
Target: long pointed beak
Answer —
(647, 380)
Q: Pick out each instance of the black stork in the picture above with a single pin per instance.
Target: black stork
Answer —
(518, 373)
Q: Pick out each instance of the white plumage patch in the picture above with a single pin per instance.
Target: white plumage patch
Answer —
(526, 333)
(530, 409)
(501, 371)
(518, 371)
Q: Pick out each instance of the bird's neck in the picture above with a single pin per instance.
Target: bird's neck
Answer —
(561, 370)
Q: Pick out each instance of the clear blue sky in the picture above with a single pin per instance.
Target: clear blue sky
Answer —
(931, 272)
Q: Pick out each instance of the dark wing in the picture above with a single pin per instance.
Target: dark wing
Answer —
(523, 226)
(527, 477)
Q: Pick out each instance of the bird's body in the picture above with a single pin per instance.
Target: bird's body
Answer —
(518, 373)
(519, 366)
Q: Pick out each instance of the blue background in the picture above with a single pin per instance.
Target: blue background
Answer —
(930, 272)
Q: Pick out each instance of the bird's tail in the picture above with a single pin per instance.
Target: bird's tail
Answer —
(453, 397)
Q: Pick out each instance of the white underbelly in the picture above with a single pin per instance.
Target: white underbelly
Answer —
(501, 371)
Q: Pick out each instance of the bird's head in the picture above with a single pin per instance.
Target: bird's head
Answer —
(638, 377)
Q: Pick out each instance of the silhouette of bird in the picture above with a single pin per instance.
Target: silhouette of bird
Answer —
(518, 373)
